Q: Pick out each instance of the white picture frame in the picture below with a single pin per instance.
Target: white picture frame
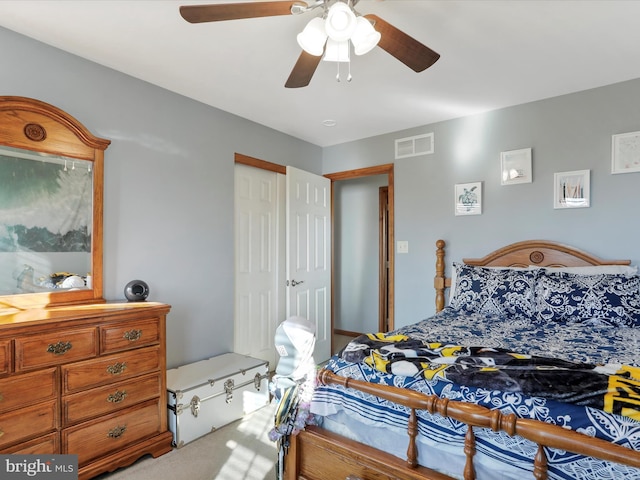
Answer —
(625, 153)
(515, 167)
(468, 198)
(571, 189)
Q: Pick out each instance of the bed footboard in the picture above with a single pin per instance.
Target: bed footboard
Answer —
(315, 453)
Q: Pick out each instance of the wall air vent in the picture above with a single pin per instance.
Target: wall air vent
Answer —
(414, 146)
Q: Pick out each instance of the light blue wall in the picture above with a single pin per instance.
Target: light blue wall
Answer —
(168, 212)
(571, 132)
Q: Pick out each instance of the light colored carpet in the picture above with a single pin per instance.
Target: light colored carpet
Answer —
(238, 451)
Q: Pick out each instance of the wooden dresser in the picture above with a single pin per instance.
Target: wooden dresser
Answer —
(86, 380)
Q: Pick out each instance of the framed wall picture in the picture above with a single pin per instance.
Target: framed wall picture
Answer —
(468, 198)
(625, 153)
(571, 189)
(515, 166)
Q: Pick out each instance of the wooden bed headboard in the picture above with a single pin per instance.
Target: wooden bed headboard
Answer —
(539, 253)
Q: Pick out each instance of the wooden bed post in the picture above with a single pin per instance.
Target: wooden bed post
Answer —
(439, 282)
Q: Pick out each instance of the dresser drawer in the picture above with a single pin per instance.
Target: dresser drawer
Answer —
(95, 438)
(28, 422)
(5, 357)
(103, 400)
(27, 389)
(42, 445)
(129, 334)
(54, 348)
(110, 369)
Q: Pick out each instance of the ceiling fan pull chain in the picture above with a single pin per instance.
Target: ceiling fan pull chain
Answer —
(349, 71)
(338, 74)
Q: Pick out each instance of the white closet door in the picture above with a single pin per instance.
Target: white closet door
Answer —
(309, 253)
(258, 278)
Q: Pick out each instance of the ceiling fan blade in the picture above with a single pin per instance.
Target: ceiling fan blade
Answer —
(234, 11)
(303, 70)
(408, 50)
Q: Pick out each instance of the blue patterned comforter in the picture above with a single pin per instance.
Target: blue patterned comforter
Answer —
(590, 342)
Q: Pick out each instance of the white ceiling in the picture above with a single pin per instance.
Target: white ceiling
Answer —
(494, 53)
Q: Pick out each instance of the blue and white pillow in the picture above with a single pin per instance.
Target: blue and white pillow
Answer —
(497, 291)
(570, 297)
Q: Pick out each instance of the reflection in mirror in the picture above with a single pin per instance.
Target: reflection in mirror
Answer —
(46, 207)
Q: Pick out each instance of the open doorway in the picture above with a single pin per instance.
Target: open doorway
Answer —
(363, 272)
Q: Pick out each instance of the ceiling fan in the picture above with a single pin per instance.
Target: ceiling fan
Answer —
(325, 37)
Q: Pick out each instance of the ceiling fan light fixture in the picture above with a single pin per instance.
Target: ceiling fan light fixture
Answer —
(336, 51)
(340, 22)
(365, 37)
(313, 37)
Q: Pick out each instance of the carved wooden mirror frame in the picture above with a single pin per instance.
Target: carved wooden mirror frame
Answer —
(33, 125)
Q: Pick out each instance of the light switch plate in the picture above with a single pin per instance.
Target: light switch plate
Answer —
(402, 246)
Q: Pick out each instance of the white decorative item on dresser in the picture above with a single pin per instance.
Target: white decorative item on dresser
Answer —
(206, 395)
(86, 380)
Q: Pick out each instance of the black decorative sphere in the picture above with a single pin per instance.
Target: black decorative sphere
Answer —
(136, 291)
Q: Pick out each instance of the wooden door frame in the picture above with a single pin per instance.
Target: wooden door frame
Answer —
(256, 162)
(384, 250)
(386, 169)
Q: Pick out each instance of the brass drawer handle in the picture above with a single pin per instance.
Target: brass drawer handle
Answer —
(117, 432)
(59, 348)
(117, 368)
(133, 335)
(117, 397)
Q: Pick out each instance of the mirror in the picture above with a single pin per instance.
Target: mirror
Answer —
(46, 206)
(51, 170)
